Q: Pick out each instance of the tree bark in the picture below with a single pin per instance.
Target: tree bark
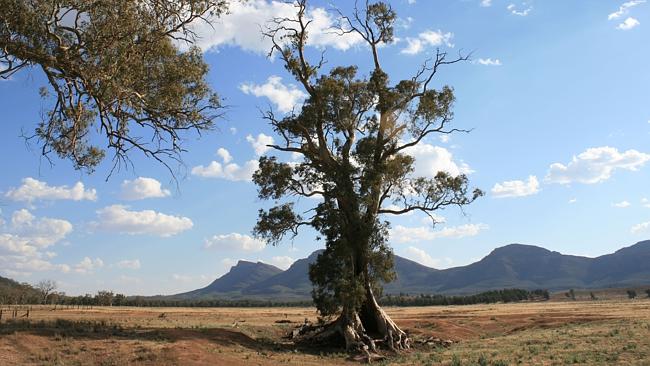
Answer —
(379, 325)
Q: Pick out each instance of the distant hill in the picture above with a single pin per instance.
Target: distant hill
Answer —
(241, 276)
(292, 283)
(8, 283)
(512, 266)
(12, 292)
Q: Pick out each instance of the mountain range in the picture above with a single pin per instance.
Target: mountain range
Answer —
(511, 266)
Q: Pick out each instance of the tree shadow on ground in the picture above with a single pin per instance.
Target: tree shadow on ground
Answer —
(102, 330)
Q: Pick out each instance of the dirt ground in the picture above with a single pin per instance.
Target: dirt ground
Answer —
(547, 333)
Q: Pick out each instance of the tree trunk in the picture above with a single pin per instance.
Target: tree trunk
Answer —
(369, 325)
(378, 325)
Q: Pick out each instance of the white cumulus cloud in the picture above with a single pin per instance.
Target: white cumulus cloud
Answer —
(128, 264)
(596, 165)
(489, 62)
(232, 171)
(522, 12)
(33, 189)
(642, 228)
(40, 232)
(282, 262)
(142, 188)
(242, 27)
(424, 258)
(234, 241)
(260, 143)
(430, 159)
(284, 97)
(15, 245)
(486, 3)
(624, 9)
(25, 265)
(117, 218)
(224, 155)
(516, 188)
(426, 39)
(622, 204)
(628, 24)
(402, 234)
(88, 265)
(24, 241)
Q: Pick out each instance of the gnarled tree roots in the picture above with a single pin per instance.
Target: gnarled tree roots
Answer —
(364, 332)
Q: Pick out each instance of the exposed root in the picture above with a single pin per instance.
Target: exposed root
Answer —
(394, 338)
(356, 332)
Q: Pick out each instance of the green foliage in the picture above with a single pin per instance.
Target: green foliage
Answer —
(273, 224)
(113, 68)
(488, 297)
(351, 133)
(104, 298)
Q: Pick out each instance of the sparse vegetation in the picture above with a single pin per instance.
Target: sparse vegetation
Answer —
(586, 332)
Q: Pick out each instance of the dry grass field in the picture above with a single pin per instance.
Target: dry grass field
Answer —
(550, 333)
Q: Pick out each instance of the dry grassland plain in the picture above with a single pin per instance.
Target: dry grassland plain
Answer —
(547, 333)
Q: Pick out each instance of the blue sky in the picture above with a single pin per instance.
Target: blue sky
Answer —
(557, 96)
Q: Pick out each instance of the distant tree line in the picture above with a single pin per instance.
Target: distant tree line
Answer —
(488, 297)
(107, 298)
(14, 293)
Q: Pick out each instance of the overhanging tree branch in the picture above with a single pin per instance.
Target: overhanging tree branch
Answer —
(115, 70)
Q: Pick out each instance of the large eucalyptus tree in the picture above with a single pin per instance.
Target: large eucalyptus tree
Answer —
(352, 133)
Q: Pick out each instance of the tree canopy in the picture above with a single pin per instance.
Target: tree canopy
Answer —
(353, 133)
(120, 74)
